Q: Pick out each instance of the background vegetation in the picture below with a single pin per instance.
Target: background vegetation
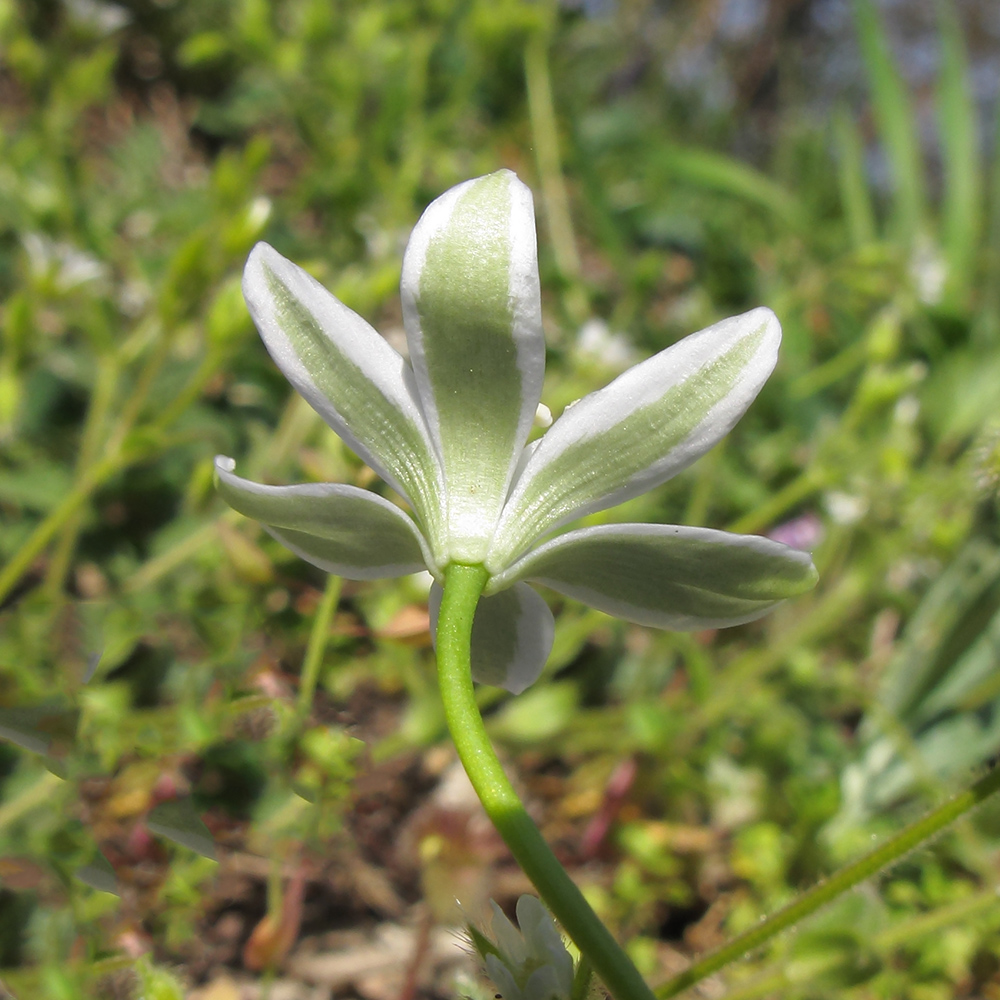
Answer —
(687, 164)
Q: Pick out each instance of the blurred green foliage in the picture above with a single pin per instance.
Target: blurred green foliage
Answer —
(145, 146)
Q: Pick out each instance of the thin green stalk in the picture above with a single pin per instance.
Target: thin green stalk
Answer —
(582, 980)
(906, 932)
(545, 138)
(158, 567)
(317, 644)
(95, 476)
(115, 458)
(138, 397)
(706, 480)
(190, 393)
(847, 878)
(777, 505)
(90, 441)
(295, 425)
(842, 364)
(463, 587)
(832, 607)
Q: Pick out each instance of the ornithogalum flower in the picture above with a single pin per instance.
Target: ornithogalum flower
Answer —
(530, 961)
(448, 431)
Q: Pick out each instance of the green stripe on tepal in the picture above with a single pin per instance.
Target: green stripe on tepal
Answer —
(637, 432)
(473, 319)
(356, 382)
(668, 575)
(340, 528)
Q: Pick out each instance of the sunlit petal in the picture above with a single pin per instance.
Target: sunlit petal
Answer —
(473, 323)
(637, 432)
(667, 575)
(359, 385)
(341, 529)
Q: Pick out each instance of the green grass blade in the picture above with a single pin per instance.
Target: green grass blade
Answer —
(855, 194)
(961, 202)
(987, 322)
(896, 122)
(717, 172)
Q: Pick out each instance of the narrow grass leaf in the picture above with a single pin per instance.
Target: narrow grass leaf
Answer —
(961, 205)
(717, 172)
(179, 821)
(896, 122)
(855, 194)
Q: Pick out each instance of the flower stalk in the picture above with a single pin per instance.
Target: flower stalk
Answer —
(317, 645)
(463, 587)
(915, 835)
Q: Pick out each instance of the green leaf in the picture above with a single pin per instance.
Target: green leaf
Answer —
(44, 729)
(179, 821)
(855, 195)
(99, 874)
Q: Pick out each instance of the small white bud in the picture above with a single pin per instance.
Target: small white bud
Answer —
(543, 416)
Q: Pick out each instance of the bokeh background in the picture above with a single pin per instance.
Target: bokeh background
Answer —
(223, 778)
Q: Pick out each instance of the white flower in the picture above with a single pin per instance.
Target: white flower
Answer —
(531, 963)
(448, 430)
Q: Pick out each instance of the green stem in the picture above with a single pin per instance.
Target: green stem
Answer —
(906, 932)
(317, 644)
(545, 134)
(94, 477)
(90, 442)
(159, 566)
(545, 138)
(803, 486)
(847, 878)
(581, 980)
(462, 590)
(115, 458)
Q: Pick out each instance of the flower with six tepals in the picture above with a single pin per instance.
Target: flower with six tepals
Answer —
(447, 430)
